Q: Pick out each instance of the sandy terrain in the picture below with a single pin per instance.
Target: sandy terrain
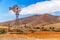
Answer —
(32, 36)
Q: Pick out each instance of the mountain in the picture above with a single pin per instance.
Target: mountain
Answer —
(34, 20)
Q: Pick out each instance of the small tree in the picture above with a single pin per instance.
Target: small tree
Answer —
(52, 28)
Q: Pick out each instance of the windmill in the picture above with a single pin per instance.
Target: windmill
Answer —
(16, 10)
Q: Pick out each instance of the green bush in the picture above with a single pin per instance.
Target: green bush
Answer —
(2, 31)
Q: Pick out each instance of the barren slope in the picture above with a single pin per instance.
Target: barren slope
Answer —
(35, 20)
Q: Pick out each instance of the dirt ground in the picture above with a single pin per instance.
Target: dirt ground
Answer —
(32, 36)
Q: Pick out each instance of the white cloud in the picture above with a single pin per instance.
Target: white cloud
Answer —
(55, 0)
(42, 7)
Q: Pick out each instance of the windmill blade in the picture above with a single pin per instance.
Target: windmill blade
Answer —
(10, 8)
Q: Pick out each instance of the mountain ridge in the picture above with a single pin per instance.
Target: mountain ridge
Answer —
(35, 20)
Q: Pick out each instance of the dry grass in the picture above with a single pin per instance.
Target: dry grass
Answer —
(32, 36)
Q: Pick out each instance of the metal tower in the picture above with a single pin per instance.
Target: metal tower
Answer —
(16, 10)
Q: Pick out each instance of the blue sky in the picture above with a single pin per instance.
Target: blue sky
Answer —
(5, 4)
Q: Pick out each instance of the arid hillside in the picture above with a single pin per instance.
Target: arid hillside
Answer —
(35, 20)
